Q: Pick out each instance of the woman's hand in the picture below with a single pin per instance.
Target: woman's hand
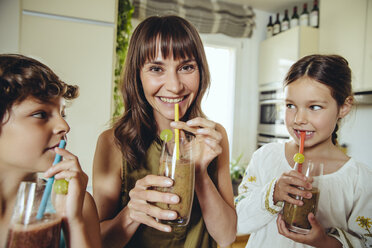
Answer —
(70, 205)
(288, 183)
(317, 236)
(207, 137)
(142, 195)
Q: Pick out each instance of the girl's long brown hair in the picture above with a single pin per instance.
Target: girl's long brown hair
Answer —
(136, 129)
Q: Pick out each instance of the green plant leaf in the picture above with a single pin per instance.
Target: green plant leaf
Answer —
(123, 32)
(237, 168)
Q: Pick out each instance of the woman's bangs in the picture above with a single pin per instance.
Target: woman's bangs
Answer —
(147, 51)
(178, 45)
(170, 45)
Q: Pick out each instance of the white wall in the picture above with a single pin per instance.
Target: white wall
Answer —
(9, 25)
(218, 104)
(355, 131)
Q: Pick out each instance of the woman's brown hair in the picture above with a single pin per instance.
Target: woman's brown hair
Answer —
(136, 129)
(330, 70)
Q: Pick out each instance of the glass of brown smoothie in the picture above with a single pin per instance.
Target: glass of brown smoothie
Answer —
(178, 164)
(24, 229)
(296, 217)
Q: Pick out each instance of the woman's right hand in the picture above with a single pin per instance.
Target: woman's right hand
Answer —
(288, 183)
(143, 195)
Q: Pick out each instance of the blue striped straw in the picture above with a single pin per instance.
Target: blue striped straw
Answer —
(48, 187)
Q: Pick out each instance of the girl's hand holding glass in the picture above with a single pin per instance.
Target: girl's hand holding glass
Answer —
(289, 183)
(316, 237)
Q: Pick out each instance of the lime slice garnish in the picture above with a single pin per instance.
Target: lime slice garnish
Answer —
(61, 186)
(299, 158)
(166, 135)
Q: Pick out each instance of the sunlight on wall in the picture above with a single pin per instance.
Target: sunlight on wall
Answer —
(218, 104)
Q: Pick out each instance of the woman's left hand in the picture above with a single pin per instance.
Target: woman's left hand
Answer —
(207, 137)
(317, 236)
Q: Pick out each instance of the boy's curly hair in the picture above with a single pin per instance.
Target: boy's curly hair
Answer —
(22, 77)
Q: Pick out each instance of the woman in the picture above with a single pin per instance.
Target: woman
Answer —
(165, 64)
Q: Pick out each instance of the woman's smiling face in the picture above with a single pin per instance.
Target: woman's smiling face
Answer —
(168, 81)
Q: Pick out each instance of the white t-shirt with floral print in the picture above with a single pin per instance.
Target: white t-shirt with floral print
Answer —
(344, 210)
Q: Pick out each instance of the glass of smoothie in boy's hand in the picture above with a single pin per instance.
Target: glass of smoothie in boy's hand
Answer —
(296, 217)
(176, 162)
(24, 229)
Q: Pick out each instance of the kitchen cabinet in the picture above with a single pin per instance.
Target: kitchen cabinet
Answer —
(344, 30)
(279, 52)
(81, 52)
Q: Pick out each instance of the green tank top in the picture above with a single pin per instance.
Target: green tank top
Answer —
(194, 235)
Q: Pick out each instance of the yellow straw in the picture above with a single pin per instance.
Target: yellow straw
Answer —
(177, 131)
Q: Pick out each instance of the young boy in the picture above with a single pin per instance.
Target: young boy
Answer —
(32, 124)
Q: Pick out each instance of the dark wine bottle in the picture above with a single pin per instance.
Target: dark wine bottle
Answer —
(269, 28)
(285, 21)
(276, 29)
(314, 15)
(304, 17)
(294, 19)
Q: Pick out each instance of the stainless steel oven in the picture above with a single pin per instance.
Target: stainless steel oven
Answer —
(271, 127)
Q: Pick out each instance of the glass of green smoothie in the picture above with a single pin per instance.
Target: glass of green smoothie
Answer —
(176, 162)
(25, 230)
(296, 217)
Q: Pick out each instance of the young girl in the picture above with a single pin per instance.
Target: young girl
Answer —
(166, 64)
(317, 95)
(32, 124)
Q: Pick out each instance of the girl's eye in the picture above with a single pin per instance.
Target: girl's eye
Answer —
(290, 106)
(315, 107)
(40, 115)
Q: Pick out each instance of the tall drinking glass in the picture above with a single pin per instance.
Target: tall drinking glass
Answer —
(296, 217)
(24, 229)
(178, 164)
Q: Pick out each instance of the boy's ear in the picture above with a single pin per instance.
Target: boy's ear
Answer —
(346, 107)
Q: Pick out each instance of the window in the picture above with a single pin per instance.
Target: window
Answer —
(218, 103)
